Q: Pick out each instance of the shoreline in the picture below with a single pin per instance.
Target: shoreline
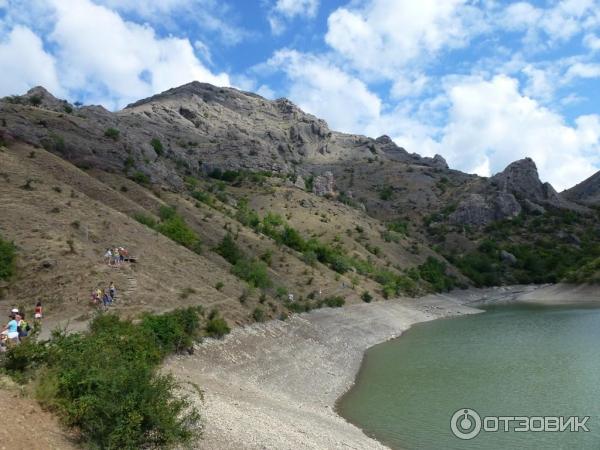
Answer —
(276, 384)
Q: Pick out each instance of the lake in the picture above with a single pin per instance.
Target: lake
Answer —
(511, 361)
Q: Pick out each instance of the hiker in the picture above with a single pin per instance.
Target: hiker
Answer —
(106, 299)
(37, 312)
(121, 255)
(116, 257)
(11, 329)
(108, 256)
(23, 327)
(112, 290)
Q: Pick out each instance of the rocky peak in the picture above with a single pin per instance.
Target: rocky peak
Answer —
(40, 97)
(587, 192)
(521, 179)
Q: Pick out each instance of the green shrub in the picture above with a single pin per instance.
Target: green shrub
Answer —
(229, 250)
(8, 259)
(35, 100)
(157, 146)
(140, 178)
(112, 133)
(203, 197)
(366, 297)
(174, 331)
(253, 271)
(386, 192)
(220, 285)
(106, 384)
(333, 302)
(177, 230)
(258, 314)
(434, 272)
(217, 327)
(145, 219)
(167, 212)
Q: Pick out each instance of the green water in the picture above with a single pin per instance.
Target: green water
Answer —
(508, 361)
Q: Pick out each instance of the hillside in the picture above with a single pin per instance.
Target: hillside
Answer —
(308, 209)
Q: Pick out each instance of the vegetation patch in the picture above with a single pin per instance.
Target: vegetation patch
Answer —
(8, 259)
(106, 383)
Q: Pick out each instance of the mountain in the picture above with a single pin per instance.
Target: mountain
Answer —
(587, 192)
(233, 201)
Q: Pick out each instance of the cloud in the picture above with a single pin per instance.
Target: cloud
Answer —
(24, 63)
(284, 10)
(491, 124)
(185, 16)
(321, 88)
(592, 42)
(293, 8)
(558, 22)
(101, 57)
(382, 36)
(583, 70)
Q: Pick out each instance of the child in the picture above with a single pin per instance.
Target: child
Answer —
(108, 256)
(37, 313)
(112, 290)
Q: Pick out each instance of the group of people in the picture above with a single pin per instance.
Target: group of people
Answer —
(116, 256)
(17, 327)
(104, 297)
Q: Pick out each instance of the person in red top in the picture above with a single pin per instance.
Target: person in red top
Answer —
(38, 311)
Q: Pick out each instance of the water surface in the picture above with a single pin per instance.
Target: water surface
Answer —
(512, 360)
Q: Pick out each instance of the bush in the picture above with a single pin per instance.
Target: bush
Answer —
(157, 146)
(112, 133)
(106, 384)
(386, 192)
(258, 314)
(203, 197)
(140, 178)
(177, 230)
(220, 285)
(35, 100)
(253, 271)
(217, 327)
(333, 302)
(145, 220)
(174, 331)
(167, 212)
(434, 272)
(8, 259)
(366, 297)
(229, 250)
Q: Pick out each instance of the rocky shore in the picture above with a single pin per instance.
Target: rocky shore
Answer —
(274, 385)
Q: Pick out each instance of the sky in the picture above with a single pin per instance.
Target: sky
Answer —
(481, 82)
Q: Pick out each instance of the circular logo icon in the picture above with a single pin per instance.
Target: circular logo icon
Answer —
(465, 423)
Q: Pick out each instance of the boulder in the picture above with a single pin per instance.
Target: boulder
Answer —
(324, 185)
(508, 257)
(476, 209)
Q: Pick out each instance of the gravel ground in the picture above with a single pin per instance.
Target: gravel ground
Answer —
(274, 385)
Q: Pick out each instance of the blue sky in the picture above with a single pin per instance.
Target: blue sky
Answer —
(481, 82)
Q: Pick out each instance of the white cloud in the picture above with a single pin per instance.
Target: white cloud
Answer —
(560, 21)
(212, 15)
(114, 61)
(592, 42)
(285, 10)
(491, 124)
(382, 36)
(293, 8)
(321, 88)
(24, 63)
(583, 70)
